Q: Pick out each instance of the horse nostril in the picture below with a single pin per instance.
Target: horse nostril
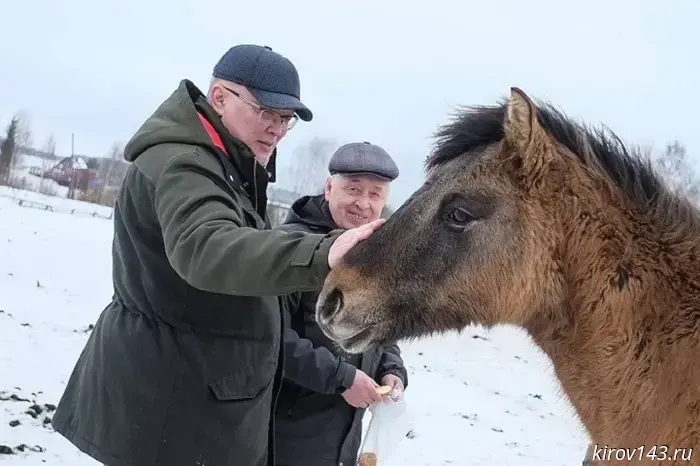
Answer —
(332, 304)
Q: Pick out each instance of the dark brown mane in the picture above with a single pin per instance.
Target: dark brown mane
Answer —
(601, 149)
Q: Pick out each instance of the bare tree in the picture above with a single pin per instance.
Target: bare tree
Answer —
(17, 137)
(50, 145)
(116, 161)
(116, 153)
(310, 165)
(111, 172)
(24, 134)
(46, 163)
(675, 167)
(9, 150)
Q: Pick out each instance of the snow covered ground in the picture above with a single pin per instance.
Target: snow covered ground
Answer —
(482, 398)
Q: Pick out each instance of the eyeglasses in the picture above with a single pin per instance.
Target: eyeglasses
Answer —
(267, 117)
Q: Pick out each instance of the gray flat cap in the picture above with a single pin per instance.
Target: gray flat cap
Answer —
(363, 158)
(270, 77)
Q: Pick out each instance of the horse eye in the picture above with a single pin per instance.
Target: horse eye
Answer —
(459, 217)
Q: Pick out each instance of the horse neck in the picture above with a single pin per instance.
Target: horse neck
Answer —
(632, 303)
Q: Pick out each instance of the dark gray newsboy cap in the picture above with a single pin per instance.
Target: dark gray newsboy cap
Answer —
(363, 158)
(269, 76)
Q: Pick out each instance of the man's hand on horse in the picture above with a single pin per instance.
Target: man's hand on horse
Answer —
(349, 239)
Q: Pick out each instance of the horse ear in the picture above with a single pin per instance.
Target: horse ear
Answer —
(521, 126)
(524, 135)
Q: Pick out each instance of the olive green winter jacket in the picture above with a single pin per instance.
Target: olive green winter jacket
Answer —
(183, 366)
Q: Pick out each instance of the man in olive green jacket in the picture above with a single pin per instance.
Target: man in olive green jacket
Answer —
(183, 366)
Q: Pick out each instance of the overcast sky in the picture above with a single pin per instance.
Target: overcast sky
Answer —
(375, 70)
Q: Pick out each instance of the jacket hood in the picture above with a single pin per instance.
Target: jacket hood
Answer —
(176, 120)
(312, 211)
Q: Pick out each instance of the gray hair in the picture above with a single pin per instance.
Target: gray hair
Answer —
(214, 80)
(337, 176)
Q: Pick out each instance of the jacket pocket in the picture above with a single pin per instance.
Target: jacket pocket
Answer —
(312, 404)
(246, 383)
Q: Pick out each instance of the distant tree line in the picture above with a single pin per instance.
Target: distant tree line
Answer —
(674, 165)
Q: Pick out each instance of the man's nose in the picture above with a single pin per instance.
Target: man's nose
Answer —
(363, 202)
(276, 129)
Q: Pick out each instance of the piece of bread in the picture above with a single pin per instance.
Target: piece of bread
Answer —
(368, 459)
(384, 390)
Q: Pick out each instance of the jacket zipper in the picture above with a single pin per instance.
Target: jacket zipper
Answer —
(255, 184)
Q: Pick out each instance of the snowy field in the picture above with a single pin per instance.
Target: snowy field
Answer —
(482, 398)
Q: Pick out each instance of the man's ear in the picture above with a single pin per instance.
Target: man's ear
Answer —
(327, 188)
(217, 99)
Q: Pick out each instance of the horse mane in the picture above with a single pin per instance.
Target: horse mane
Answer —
(600, 149)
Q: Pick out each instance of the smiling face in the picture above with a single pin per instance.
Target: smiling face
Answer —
(355, 200)
(240, 114)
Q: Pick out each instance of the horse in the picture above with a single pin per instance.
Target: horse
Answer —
(530, 218)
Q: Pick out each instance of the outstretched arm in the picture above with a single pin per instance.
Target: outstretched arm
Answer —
(209, 245)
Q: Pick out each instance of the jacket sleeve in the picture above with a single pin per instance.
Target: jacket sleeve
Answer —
(392, 363)
(316, 369)
(209, 245)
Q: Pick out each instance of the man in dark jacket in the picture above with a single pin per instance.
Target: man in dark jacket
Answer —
(325, 392)
(181, 368)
